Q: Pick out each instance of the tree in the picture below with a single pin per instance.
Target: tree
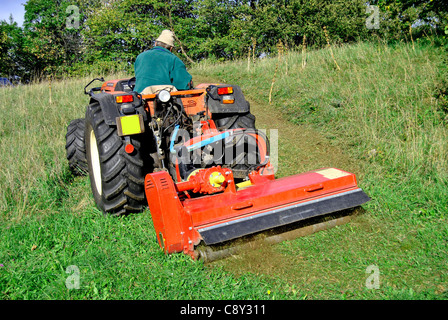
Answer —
(290, 20)
(14, 61)
(431, 15)
(109, 34)
(49, 38)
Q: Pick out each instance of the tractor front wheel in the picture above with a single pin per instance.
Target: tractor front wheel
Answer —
(116, 177)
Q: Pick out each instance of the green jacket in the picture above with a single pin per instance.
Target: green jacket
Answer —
(159, 66)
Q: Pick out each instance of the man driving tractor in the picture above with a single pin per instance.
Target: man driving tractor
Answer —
(160, 67)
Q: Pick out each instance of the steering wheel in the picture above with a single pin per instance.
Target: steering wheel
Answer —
(131, 83)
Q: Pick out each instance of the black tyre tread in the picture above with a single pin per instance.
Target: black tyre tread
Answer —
(75, 147)
(245, 120)
(122, 174)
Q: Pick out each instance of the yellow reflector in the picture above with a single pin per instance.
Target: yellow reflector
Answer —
(128, 125)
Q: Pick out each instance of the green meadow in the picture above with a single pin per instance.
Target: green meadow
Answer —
(375, 109)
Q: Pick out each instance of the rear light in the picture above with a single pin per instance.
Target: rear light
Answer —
(124, 99)
(129, 148)
(225, 90)
(228, 99)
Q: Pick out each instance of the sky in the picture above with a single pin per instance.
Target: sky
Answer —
(14, 7)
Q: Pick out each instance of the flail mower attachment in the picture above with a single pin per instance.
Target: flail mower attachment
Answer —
(211, 208)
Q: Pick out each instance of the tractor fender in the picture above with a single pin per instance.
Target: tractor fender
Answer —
(111, 109)
(216, 105)
(108, 106)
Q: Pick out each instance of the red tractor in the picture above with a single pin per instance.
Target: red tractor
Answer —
(197, 161)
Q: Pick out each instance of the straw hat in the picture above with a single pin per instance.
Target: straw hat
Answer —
(167, 37)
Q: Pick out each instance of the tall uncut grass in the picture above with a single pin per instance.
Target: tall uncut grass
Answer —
(32, 141)
(33, 169)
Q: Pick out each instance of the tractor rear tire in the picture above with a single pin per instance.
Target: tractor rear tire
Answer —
(243, 161)
(75, 148)
(116, 177)
(236, 121)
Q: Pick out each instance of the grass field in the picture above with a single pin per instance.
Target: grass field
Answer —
(383, 116)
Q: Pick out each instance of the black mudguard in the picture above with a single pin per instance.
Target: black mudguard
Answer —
(215, 104)
(110, 107)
